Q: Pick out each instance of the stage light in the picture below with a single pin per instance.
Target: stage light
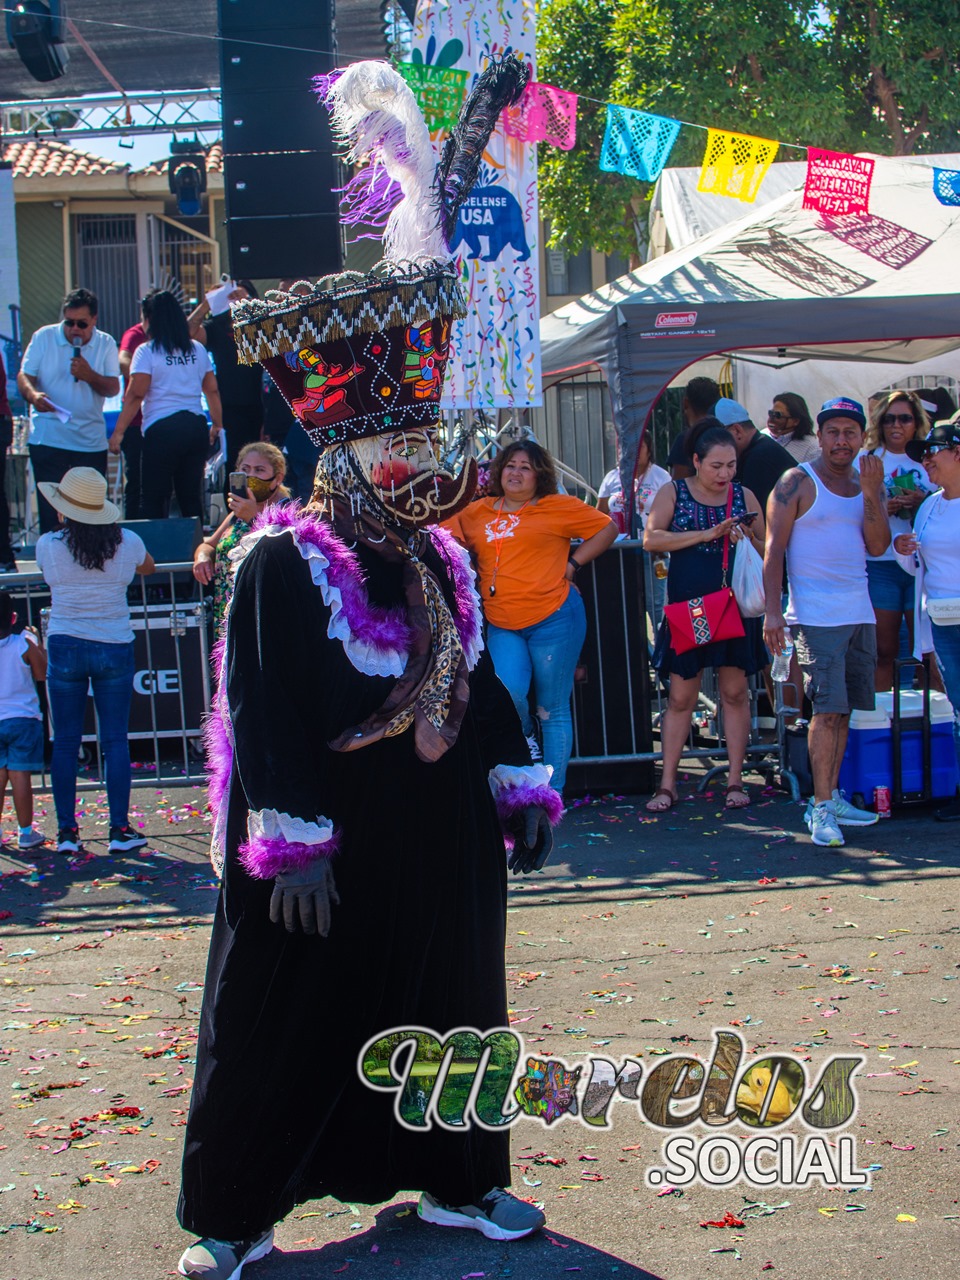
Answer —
(187, 175)
(36, 30)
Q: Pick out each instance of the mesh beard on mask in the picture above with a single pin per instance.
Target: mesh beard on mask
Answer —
(364, 474)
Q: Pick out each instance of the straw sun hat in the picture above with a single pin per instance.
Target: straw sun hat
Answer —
(82, 496)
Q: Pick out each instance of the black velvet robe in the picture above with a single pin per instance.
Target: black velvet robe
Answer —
(278, 1113)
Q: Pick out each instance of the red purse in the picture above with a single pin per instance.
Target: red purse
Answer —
(704, 619)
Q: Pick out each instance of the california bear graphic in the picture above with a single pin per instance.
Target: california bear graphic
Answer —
(491, 214)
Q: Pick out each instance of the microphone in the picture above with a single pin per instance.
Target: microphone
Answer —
(77, 347)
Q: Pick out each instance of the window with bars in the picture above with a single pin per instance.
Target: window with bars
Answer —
(106, 262)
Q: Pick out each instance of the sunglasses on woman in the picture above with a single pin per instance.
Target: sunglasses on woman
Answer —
(936, 448)
(774, 413)
(900, 419)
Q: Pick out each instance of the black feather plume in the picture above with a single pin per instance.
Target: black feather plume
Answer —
(500, 85)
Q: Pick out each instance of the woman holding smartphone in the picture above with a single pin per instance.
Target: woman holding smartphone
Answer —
(257, 482)
(689, 520)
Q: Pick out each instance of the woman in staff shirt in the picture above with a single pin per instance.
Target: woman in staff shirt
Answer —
(167, 377)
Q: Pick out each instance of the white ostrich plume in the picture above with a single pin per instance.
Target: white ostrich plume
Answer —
(374, 112)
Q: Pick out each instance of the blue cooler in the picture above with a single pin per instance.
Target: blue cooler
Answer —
(868, 759)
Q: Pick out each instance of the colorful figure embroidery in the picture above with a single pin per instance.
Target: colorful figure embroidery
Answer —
(323, 399)
(420, 363)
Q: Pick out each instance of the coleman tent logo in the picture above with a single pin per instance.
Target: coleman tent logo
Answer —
(674, 319)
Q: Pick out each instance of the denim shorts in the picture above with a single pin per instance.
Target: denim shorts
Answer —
(838, 665)
(21, 744)
(891, 588)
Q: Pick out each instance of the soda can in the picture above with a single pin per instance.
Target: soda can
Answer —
(881, 801)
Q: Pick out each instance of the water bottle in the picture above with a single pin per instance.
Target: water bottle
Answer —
(780, 668)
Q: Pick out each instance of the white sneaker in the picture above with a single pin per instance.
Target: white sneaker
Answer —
(223, 1259)
(822, 824)
(848, 815)
(499, 1215)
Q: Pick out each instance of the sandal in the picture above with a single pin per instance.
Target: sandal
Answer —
(652, 806)
(736, 790)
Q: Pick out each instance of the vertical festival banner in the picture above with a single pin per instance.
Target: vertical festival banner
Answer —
(495, 351)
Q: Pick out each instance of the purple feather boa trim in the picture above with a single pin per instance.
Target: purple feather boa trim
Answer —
(466, 612)
(266, 857)
(216, 739)
(511, 802)
(384, 629)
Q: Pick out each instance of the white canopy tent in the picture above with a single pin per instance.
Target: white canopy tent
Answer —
(778, 285)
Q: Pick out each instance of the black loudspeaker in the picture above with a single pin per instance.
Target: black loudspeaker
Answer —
(36, 30)
(279, 157)
(170, 541)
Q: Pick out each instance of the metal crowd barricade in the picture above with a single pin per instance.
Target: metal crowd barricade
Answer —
(619, 699)
(172, 678)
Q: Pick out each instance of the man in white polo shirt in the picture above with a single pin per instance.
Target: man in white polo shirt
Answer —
(67, 372)
(826, 517)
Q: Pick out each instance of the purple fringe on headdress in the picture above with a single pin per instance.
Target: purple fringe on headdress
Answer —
(368, 199)
(465, 613)
(384, 629)
(511, 802)
(216, 739)
(322, 84)
(265, 857)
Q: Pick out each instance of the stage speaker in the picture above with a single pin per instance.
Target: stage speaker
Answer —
(37, 31)
(170, 541)
(279, 157)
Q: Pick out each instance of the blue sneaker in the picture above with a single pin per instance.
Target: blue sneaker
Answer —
(223, 1259)
(848, 815)
(499, 1215)
(822, 824)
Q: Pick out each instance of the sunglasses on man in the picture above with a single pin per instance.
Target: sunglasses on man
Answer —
(938, 448)
(77, 324)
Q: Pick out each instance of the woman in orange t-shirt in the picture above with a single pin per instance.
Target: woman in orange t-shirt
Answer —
(519, 538)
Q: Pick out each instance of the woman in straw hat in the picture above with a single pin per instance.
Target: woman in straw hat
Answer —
(88, 565)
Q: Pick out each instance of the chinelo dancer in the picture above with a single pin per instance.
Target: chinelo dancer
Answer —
(367, 763)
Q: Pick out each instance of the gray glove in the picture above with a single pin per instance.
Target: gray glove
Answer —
(306, 895)
(532, 841)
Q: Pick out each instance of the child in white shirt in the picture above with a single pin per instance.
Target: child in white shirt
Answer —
(23, 661)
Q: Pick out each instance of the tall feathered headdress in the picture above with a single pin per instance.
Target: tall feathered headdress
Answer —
(375, 114)
(354, 355)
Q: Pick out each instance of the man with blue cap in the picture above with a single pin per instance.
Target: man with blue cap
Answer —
(825, 516)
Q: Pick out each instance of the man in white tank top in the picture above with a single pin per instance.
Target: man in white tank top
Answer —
(825, 518)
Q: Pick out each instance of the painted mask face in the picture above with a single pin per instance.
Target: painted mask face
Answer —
(404, 472)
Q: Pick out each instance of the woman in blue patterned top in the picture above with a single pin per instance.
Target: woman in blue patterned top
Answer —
(689, 520)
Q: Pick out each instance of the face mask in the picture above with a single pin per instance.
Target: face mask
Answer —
(405, 475)
(261, 489)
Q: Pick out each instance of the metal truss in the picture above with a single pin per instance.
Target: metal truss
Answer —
(110, 115)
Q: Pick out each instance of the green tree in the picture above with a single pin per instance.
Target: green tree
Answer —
(851, 75)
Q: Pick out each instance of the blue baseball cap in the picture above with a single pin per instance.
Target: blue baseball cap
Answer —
(842, 407)
(730, 411)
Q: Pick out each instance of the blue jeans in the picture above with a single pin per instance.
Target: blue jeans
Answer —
(73, 665)
(946, 647)
(545, 654)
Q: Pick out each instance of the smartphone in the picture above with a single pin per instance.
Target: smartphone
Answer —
(748, 518)
(238, 484)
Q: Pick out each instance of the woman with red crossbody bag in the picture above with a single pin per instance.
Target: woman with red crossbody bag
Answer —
(699, 522)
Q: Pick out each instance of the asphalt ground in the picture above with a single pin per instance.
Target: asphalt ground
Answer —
(640, 938)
